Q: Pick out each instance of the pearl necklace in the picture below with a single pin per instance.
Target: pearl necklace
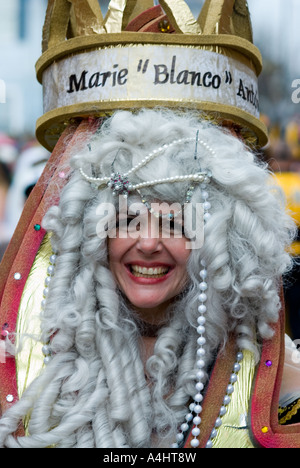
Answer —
(195, 408)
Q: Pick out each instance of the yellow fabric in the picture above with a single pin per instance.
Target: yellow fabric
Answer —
(29, 361)
(234, 431)
(290, 184)
(295, 249)
(287, 413)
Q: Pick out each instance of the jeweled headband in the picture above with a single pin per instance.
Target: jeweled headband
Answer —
(122, 184)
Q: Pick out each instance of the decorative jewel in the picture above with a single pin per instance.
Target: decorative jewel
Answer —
(4, 332)
(269, 363)
(9, 398)
(17, 276)
(170, 215)
(164, 26)
(37, 227)
(119, 184)
(189, 194)
(264, 430)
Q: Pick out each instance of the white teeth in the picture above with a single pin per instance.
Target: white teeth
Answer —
(149, 271)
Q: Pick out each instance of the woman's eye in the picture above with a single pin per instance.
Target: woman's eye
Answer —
(167, 227)
(127, 223)
(175, 227)
(123, 222)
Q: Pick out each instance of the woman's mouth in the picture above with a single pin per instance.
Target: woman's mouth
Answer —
(149, 272)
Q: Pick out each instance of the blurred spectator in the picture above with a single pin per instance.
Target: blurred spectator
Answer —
(8, 151)
(283, 157)
(8, 157)
(292, 137)
(5, 178)
(29, 167)
(290, 183)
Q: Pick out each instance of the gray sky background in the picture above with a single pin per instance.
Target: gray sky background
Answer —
(275, 28)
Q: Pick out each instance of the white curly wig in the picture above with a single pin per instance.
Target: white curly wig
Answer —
(93, 393)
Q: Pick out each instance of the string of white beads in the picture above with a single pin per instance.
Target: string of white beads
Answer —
(156, 152)
(189, 177)
(202, 309)
(46, 349)
(196, 408)
(201, 364)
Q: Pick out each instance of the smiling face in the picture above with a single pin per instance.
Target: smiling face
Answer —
(151, 270)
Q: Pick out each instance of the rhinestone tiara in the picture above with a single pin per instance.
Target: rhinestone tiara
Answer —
(121, 184)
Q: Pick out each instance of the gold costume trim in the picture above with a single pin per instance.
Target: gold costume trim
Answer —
(181, 17)
(234, 431)
(53, 123)
(291, 410)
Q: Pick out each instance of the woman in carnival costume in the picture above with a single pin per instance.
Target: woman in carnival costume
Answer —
(162, 321)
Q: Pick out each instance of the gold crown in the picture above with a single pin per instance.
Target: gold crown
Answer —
(140, 55)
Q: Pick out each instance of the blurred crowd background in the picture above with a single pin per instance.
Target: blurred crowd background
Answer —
(22, 159)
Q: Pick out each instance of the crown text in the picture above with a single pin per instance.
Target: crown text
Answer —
(248, 94)
(110, 78)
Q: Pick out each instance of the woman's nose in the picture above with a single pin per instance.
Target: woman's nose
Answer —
(149, 240)
(149, 245)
